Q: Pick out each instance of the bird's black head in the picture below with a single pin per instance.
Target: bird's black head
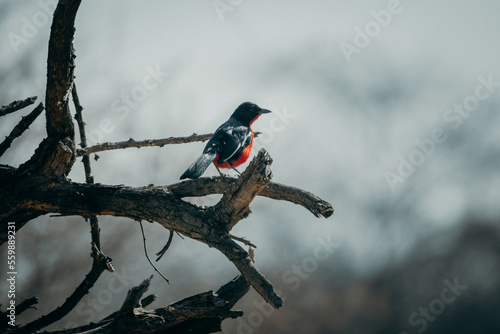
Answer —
(247, 112)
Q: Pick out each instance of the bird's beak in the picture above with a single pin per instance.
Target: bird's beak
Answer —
(264, 111)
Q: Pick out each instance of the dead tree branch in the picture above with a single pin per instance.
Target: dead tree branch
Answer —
(56, 154)
(60, 65)
(142, 143)
(83, 137)
(201, 313)
(145, 143)
(89, 179)
(16, 105)
(39, 187)
(219, 185)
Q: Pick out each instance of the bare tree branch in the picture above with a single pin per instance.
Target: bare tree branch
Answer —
(56, 154)
(16, 105)
(96, 326)
(317, 206)
(20, 128)
(142, 143)
(83, 137)
(146, 143)
(219, 185)
(201, 313)
(60, 65)
(245, 265)
(89, 179)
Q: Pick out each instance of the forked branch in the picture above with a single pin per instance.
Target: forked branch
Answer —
(219, 185)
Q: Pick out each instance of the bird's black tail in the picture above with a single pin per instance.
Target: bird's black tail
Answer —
(199, 166)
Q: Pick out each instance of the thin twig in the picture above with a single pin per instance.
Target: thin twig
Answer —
(83, 139)
(20, 128)
(89, 179)
(147, 256)
(143, 143)
(164, 249)
(16, 105)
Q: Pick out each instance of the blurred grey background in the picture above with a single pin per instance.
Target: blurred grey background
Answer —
(386, 109)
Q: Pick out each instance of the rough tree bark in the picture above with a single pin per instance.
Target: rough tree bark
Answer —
(39, 186)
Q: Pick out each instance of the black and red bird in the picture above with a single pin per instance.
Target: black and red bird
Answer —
(231, 143)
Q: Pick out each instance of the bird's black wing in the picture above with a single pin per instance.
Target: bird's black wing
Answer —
(233, 140)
